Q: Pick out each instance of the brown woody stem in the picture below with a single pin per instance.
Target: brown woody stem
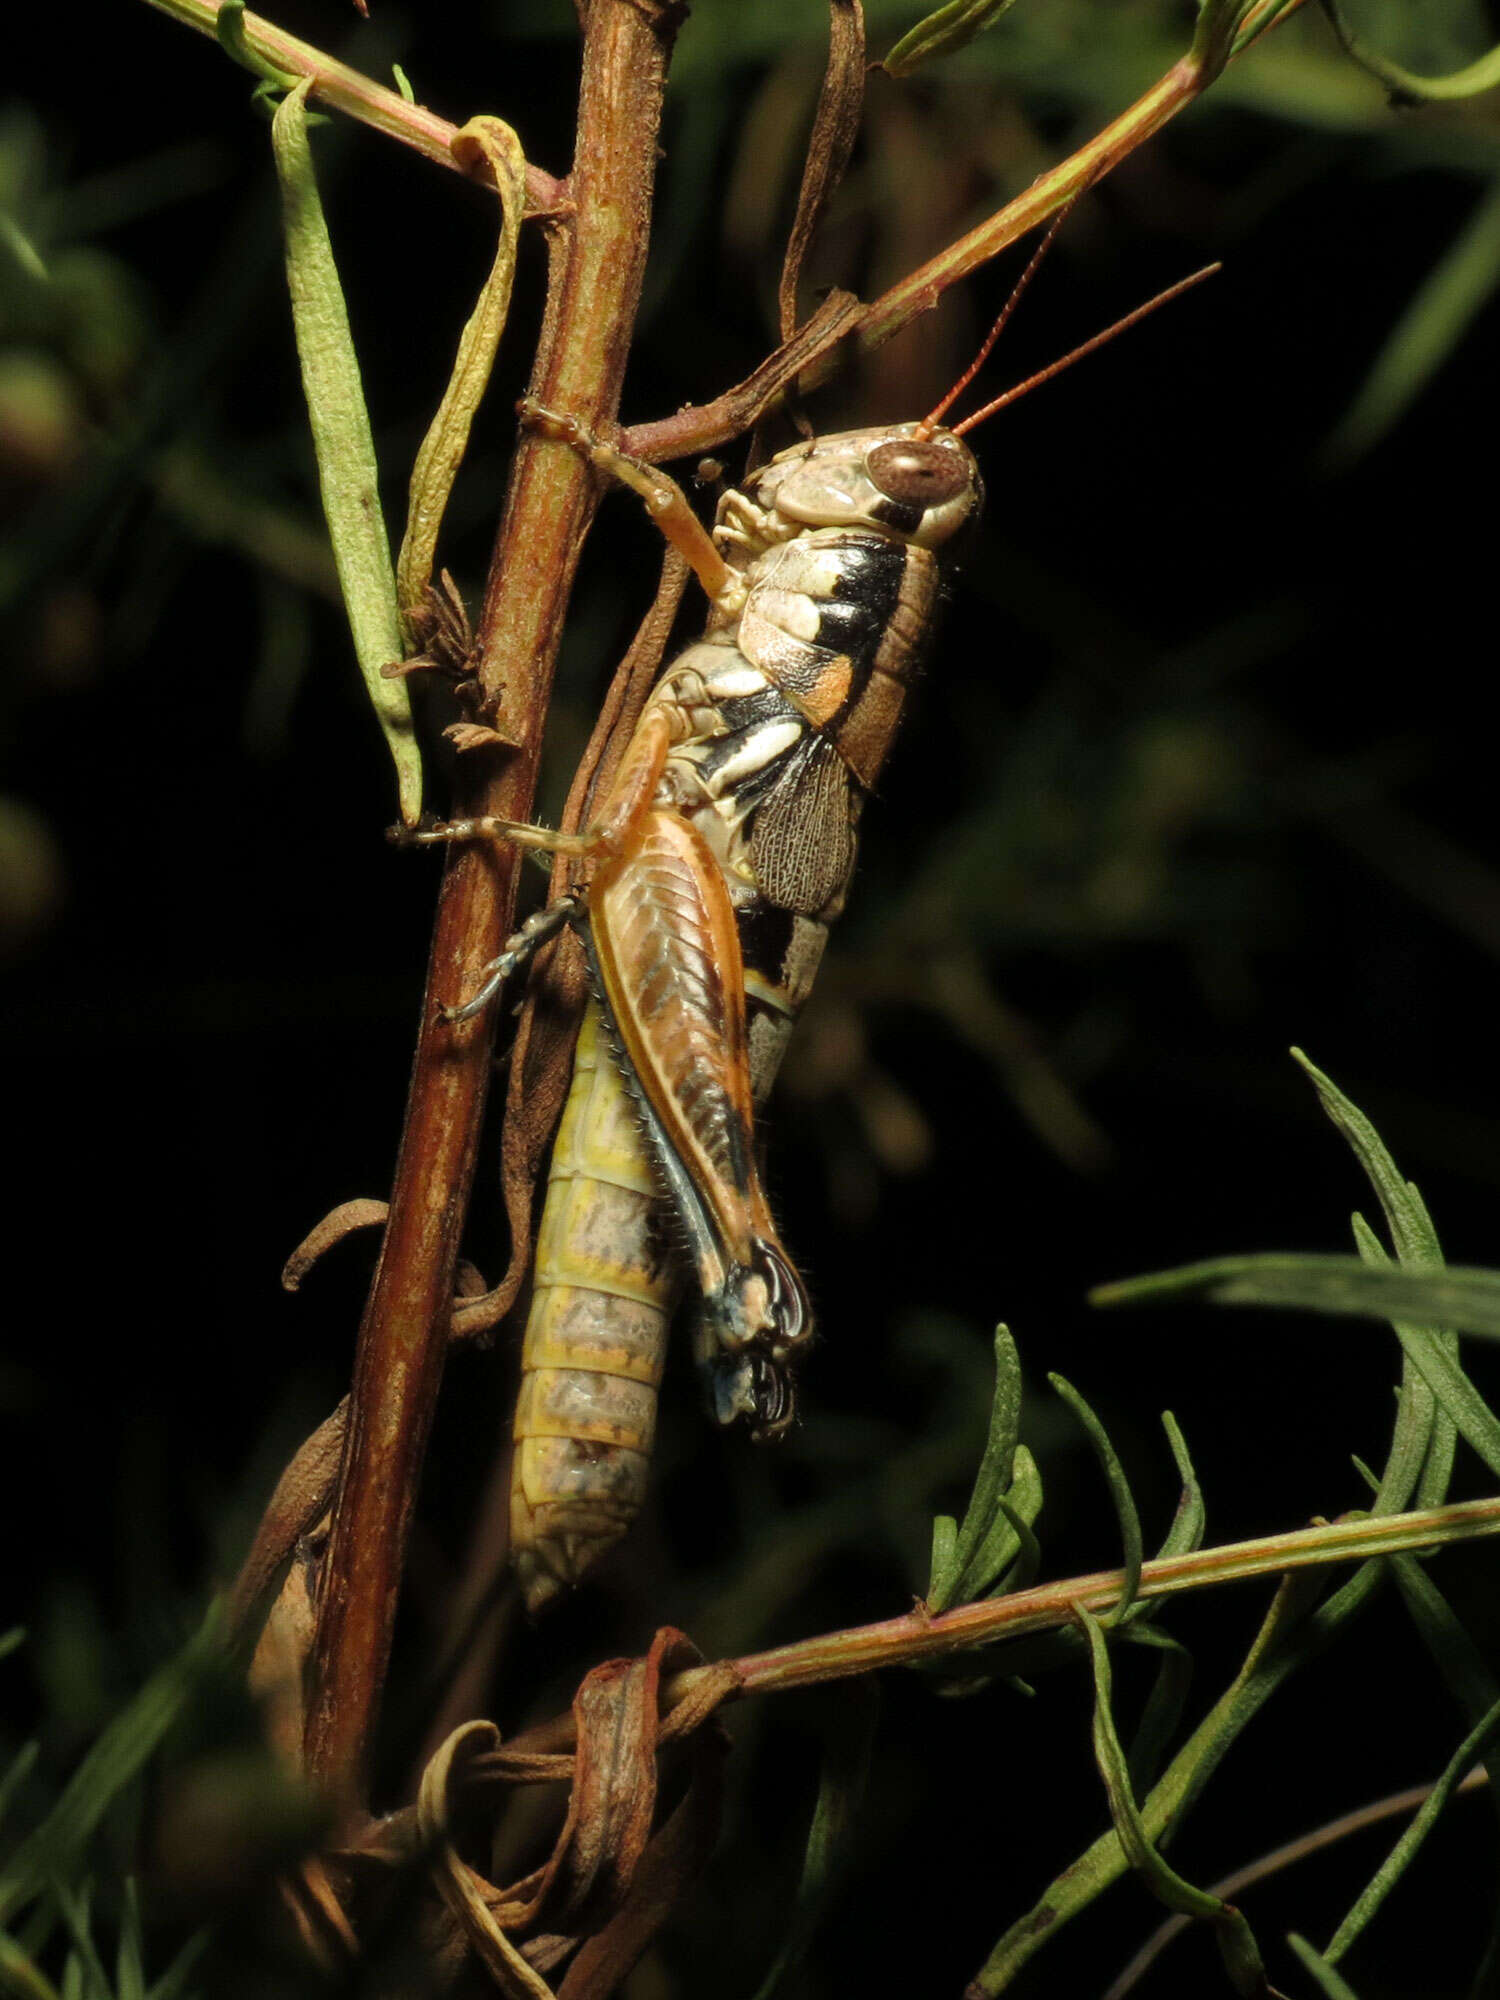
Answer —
(598, 259)
(349, 90)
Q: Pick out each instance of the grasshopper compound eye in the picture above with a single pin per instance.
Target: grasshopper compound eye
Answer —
(918, 472)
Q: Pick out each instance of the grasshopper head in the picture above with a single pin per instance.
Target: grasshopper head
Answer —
(911, 482)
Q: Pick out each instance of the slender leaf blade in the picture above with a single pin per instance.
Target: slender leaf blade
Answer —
(1236, 1941)
(942, 32)
(53, 1848)
(1466, 1299)
(1390, 1871)
(347, 473)
(1119, 1492)
(1331, 1984)
(841, 1788)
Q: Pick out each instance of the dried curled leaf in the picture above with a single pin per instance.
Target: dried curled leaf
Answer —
(835, 128)
(302, 1497)
(614, 1873)
(447, 438)
(461, 1887)
(350, 1216)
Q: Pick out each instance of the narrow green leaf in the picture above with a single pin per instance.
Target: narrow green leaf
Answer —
(941, 33)
(984, 1543)
(1119, 1492)
(1162, 1715)
(841, 1789)
(52, 1850)
(1385, 1878)
(1017, 1571)
(943, 1570)
(1466, 1299)
(1330, 1983)
(1186, 1531)
(130, 1963)
(341, 439)
(73, 1906)
(23, 251)
(1367, 1474)
(403, 83)
(447, 438)
(1436, 318)
(1264, 21)
(1236, 1941)
(16, 1776)
(1411, 1228)
(173, 1981)
(1472, 1685)
(1474, 77)
(229, 26)
(1421, 1454)
(19, 1976)
(1455, 1654)
(1295, 1629)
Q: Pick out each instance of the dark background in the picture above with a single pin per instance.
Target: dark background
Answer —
(1203, 768)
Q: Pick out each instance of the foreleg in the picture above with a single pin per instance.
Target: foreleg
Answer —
(666, 503)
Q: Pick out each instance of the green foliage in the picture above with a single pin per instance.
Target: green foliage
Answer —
(970, 1561)
(848, 1741)
(1242, 1960)
(944, 32)
(47, 1876)
(346, 451)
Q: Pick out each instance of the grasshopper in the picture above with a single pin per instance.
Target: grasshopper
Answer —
(718, 859)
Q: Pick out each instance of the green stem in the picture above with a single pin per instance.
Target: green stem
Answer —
(914, 1636)
(1184, 81)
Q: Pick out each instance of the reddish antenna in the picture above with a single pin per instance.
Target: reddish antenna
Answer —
(1099, 340)
(925, 428)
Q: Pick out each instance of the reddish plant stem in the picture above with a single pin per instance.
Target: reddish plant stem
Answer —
(598, 259)
(349, 90)
(918, 1634)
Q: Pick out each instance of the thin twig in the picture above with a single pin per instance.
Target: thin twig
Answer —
(917, 1635)
(708, 425)
(1393, 1806)
(349, 90)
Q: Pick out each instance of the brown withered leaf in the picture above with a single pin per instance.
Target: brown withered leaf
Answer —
(613, 1875)
(349, 1216)
(278, 1665)
(302, 1497)
(835, 128)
